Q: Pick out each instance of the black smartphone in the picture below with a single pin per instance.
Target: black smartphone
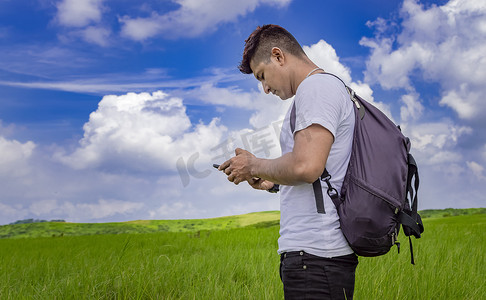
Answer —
(216, 166)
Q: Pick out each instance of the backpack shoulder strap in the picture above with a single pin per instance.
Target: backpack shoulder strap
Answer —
(331, 191)
(316, 185)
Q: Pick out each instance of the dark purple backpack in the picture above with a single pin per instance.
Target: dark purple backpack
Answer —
(373, 201)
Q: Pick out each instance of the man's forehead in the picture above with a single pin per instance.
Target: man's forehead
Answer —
(255, 66)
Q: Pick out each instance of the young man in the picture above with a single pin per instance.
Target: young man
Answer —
(316, 260)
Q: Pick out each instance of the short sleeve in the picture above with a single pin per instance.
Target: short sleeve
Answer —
(320, 100)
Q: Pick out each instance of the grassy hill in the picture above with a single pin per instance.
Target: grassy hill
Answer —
(257, 219)
(450, 212)
(57, 229)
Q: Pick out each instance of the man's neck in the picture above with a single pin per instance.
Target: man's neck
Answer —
(302, 71)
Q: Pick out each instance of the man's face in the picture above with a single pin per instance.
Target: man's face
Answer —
(273, 78)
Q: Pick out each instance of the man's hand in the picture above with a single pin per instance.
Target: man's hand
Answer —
(260, 184)
(239, 167)
(304, 164)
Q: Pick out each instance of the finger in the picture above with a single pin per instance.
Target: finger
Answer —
(267, 185)
(256, 184)
(224, 165)
(227, 171)
(239, 151)
(253, 180)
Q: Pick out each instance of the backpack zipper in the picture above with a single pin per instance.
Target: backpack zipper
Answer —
(395, 208)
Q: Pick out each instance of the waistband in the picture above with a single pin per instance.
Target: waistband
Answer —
(305, 254)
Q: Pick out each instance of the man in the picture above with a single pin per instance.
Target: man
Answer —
(316, 260)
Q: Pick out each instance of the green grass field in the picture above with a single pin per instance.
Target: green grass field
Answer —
(234, 263)
(53, 229)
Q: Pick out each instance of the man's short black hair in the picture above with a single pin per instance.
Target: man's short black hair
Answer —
(259, 45)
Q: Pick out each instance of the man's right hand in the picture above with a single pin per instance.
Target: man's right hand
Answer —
(260, 184)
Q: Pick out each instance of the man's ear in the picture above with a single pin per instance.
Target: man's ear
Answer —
(278, 54)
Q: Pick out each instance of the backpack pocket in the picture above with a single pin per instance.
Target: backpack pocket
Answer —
(370, 223)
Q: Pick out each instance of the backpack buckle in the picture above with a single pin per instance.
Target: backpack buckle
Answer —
(331, 191)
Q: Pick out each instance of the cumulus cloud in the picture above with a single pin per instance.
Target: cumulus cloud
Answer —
(102, 209)
(441, 161)
(93, 211)
(231, 96)
(325, 56)
(430, 138)
(464, 100)
(265, 108)
(83, 19)
(413, 109)
(168, 210)
(14, 158)
(79, 13)
(476, 169)
(136, 161)
(444, 44)
(96, 35)
(445, 165)
(141, 132)
(191, 19)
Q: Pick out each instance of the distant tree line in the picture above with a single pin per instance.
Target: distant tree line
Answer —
(27, 221)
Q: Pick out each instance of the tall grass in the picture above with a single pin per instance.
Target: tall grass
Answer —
(450, 264)
(238, 263)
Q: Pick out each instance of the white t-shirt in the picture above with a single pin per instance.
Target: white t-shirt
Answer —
(320, 99)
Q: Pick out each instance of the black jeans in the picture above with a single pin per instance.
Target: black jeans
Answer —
(306, 276)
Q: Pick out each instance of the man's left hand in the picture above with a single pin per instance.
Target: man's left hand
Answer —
(238, 168)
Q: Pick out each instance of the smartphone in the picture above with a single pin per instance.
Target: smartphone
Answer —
(216, 166)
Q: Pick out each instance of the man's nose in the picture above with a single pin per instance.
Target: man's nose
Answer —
(266, 88)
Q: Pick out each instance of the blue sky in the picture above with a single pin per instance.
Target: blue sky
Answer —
(115, 110)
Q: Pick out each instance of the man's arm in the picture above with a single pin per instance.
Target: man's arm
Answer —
(304, 164)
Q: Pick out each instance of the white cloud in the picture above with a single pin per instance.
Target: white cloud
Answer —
(43, 207)
(11, 213)
(103, 209)
(433, 137)
(325, 56)
(476, 169)
(14, 158)
(83, 20)
(79, 211)
(231, 96)
(124, 167)
(445, 44)
(149, 80)
(141, 132)
(191, 19)
(79, 13)
(180, 209)
(412, 109)
(96, 35)
(444, 157)
(266, 108)
(464, 101)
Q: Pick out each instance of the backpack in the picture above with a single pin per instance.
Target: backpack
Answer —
(381, 177)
